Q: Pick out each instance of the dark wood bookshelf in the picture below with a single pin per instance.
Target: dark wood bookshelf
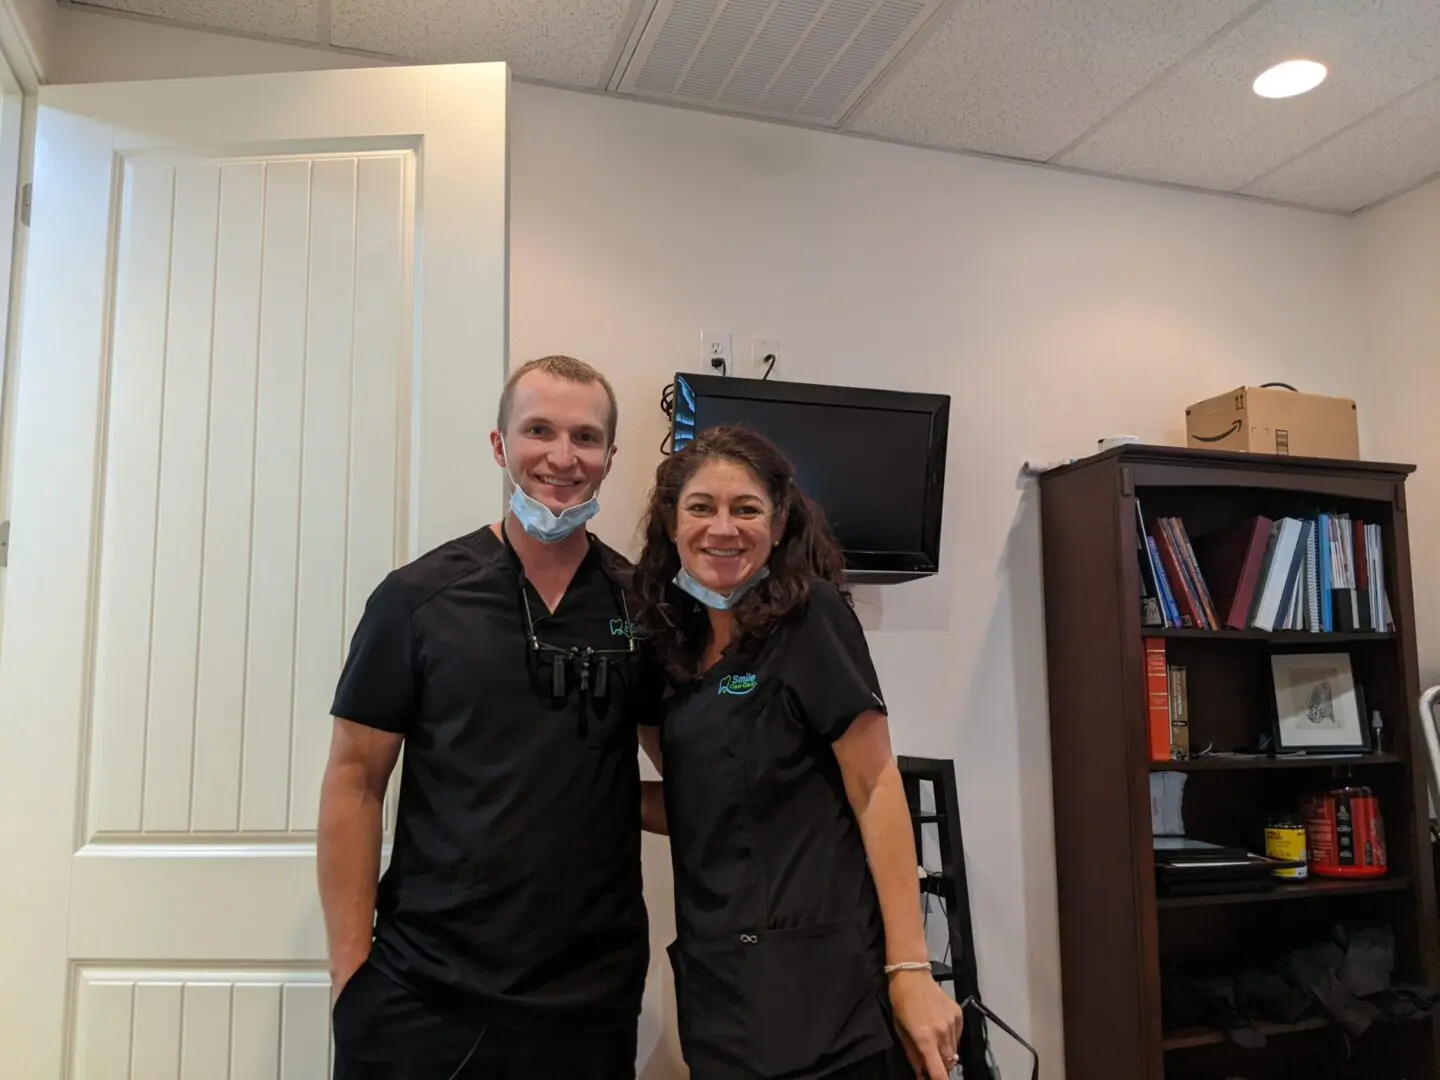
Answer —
(1116, 934)
(1317, 887)
(1292, 761)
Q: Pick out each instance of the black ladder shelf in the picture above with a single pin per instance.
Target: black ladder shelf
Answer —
(950, 885)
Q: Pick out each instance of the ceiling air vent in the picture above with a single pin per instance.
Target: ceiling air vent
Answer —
(807, 60)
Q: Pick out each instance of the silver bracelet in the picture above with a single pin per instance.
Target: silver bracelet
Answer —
(908, 965)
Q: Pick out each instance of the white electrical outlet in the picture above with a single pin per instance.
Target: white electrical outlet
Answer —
(760, 348)
(716, 357)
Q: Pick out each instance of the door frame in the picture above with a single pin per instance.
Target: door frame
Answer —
(17, 142)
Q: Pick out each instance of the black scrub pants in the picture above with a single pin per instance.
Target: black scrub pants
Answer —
(383, 1031)
(889, 1065)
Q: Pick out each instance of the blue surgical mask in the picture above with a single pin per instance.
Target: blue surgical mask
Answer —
(712, 599)
(538, 520)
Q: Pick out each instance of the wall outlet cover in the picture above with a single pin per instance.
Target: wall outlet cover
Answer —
(716, 356)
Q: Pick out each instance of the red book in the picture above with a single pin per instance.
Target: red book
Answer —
(1157, 699)
(1362, 577)
(1231, 561)
(1185, 598)
(1186, 553)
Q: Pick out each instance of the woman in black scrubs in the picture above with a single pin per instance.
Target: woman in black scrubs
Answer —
(800, 951)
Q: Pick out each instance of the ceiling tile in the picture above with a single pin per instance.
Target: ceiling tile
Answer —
(571, 42)
(296, 20)
(793, 59)
(1028, 77)
(1392, 151)
(1205, 127)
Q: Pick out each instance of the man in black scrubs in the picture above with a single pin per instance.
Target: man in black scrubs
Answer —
(508, 937)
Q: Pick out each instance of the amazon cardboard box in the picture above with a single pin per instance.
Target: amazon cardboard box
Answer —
(1267, 420)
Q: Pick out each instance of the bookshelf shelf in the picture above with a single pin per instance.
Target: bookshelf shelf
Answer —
(1277, 637)
(1097, 519)
(1209, 764)
(1306, 891)
(1189, 1038)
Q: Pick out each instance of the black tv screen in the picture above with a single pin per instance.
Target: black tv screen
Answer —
(873, 459)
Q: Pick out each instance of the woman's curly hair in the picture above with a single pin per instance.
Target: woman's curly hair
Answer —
(676, 624)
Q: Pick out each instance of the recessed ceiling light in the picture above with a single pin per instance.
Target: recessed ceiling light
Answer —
(1290, 78)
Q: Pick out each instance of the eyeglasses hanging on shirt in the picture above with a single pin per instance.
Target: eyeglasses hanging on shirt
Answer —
(591, 666)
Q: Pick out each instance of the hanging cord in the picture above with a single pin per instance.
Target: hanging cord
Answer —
(974, 1002)
(667, 406)
(461, 1067)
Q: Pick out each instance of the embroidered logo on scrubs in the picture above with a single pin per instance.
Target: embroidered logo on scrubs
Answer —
(621, 627)
(738, 685)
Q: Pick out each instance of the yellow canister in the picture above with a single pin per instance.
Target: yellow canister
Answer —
(1285, 839)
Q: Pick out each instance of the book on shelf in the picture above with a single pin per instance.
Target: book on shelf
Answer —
(1319, 574)
(1167, 701)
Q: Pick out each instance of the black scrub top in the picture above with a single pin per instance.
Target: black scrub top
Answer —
(514, 888)
(779, 950)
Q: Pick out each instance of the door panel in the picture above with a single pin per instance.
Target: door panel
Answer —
(253, 379)
(231, 576)
(199, 1025)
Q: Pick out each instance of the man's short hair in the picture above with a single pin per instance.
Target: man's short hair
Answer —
(562, 367)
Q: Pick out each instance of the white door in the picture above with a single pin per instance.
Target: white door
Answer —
(264, 337)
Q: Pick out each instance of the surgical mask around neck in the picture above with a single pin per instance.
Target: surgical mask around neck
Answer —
(712, 599)
(537, 519)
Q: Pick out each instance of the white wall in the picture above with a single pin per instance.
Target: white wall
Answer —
(1054, 308)
(1401, 272)
(88, 47)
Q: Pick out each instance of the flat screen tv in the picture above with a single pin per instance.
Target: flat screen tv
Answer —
(873, 459)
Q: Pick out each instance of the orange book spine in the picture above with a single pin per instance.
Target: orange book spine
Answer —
(1157, 699)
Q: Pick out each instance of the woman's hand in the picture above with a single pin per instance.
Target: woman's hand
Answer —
(929, 1023)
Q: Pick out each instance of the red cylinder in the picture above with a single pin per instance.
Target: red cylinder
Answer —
(1345, 834)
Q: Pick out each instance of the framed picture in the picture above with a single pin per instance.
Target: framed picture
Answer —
(1317, 704)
